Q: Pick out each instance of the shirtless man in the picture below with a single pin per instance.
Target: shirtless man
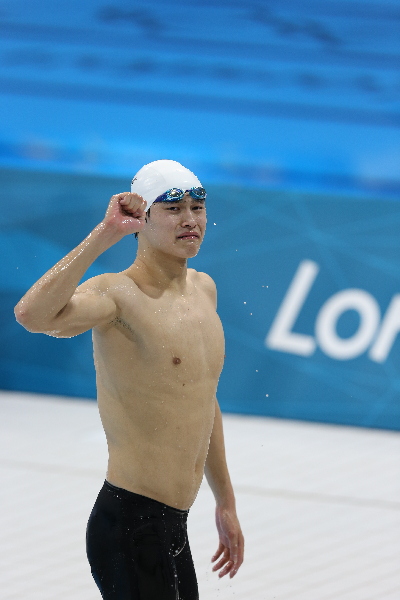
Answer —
(158, 351)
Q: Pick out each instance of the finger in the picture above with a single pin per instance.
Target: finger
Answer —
(219, 551)
(135, 202)
(142, 206)
(123, 198)
(238, 557)
(223, 560)
(221, 563)
(135, 198)
(130, 200)
(138, 207)
(235, 569)
(235, 553)
(226, 569)
(134, 209)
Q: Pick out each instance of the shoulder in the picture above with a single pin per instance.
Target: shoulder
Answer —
(204, 282)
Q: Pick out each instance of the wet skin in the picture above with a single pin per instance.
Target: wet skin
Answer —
(158, 350)
(158, 363)
(158, 346)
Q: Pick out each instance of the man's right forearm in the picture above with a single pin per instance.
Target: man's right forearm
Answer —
(50, 294)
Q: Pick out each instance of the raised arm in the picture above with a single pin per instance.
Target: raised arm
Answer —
(54, 304)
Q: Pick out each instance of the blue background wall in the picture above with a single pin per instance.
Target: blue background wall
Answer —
(288, 112)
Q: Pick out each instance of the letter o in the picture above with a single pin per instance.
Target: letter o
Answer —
(325, 326)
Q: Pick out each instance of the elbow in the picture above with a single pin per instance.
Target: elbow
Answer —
(24, 318)
(28, 322)
(20, 314)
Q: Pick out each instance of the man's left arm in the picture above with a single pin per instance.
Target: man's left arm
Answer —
(231, 541)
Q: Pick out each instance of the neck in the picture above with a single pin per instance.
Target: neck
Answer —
(159, 270)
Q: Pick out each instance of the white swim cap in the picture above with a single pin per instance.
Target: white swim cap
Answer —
(159, 176)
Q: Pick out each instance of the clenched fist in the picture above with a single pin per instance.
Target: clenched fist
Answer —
(125, 213)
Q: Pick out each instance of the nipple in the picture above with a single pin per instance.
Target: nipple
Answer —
(176, 360)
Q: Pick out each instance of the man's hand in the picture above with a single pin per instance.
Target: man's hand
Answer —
(231, 542)
(125, 213)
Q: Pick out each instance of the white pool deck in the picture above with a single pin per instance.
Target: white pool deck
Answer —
(319, 506)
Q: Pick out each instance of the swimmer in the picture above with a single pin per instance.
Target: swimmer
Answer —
(158, 350)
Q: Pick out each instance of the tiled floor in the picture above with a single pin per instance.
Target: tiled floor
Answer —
(319, 506)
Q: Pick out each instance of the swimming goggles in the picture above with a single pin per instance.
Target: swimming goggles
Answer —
(175, 194)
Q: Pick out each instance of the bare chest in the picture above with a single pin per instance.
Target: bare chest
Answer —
(183, 333)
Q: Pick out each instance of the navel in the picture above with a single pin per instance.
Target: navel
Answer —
(176, 360)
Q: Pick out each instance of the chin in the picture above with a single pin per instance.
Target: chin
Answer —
(193, 251)
(188, 252)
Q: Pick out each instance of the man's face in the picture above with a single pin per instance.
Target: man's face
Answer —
(177, 228)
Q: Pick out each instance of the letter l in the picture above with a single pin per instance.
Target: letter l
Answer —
(280, 336)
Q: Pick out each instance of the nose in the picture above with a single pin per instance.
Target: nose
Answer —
(188, 218)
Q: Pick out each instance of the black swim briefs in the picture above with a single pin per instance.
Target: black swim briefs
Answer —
(138, 548)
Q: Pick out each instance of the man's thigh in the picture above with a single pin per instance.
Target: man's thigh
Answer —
(187, 580)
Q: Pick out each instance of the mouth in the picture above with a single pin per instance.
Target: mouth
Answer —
(190, 235)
